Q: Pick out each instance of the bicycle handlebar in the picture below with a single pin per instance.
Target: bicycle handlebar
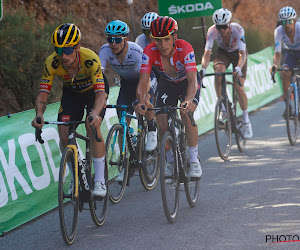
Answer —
(38, 131)
(223, 74)
(281, 69)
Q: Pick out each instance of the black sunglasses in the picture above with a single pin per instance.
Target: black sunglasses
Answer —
(221, 27)
(284, 22)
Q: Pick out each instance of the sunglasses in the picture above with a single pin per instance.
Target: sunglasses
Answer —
(112, 39)
(146, 32)
(163, 34)
(284, 22)
(65, 50)
(221, 27)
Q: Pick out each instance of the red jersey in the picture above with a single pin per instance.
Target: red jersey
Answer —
(183, 60)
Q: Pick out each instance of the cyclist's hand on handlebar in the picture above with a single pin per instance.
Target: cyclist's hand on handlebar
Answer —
(237, 72)
(37, 124)
(273, 69)
(202, 73)
(188, 106)
(140, 108)
(96, 122)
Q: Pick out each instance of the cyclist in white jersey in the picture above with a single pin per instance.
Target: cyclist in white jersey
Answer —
(231, 49)
(125, 58)
(288, 35)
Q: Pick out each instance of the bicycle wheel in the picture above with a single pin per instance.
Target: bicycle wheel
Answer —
(68, 205)
(149, 172)
(291, 116)
(169, 184)
(117, 163)
(239, 136)
(192, 187)
(222, 128)
(98, 205)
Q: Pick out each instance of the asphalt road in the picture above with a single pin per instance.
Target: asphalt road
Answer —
(242, 201)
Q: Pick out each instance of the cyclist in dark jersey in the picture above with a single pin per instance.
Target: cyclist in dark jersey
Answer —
(83, 86)
(174, 60)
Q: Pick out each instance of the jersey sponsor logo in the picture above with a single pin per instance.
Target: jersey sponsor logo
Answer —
(46, 71)
(179, 49)
(55, 63)
(44, 80)
(164, 97)
(65, 118)
(137, 50)
(97, 71)
(243, 39)
(189, 58)
(99, 86)
(145, 59)
(89, 63)
(100, 80)
(66, 77)
(157, 62)
(179, 65)
(45, 86)
(130, 56)
(277, 44)
(154, 48)
(191, 67)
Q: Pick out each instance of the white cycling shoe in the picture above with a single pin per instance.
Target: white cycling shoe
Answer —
(169, 168)
(120, 176)
(195, 170)
(248, 130)
(99, 189)
(151, 143)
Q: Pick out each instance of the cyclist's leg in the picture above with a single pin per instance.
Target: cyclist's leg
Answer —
(289, 61)
(71, 109)
(221, 63)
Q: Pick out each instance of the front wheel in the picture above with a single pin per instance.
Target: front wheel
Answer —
(149, 172)
(68, 204)
(223, 133)
(117, 162)
(169, 177)
(291, 116)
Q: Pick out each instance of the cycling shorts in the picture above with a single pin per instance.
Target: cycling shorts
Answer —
(291, 58)
(225, 57)
(127, 95)
(72, 103)
(168, 93)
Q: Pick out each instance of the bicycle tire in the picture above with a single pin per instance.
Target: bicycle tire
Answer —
(99, 205)
(291, 117)
(239, 137)
(149, 172)
(223, 132)
(169, 190)
(116, 163)
(68, 205)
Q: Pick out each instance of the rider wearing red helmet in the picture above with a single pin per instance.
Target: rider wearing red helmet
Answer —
(174, 60)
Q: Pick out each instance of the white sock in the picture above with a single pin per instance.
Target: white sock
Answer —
(245, 116)
(194, 154)
(99, 164)
(170, 156)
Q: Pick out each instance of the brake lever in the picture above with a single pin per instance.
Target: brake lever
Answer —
(38, 131)
(90, 118)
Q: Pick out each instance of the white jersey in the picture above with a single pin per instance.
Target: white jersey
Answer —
(237, 40)
(130, 68)
(142, 41)
(281, 38)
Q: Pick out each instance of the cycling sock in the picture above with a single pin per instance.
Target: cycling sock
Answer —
(245, 116)
(194, 154)
(151, 125)
(170, 156)
(99, 164)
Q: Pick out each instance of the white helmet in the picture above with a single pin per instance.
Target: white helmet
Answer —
(147, 19)
(287, 13)
(222, 16)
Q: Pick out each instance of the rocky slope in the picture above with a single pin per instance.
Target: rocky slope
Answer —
(93, 15)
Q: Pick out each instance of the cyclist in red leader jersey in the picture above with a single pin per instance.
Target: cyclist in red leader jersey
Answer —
(175, 62)
(84, 85)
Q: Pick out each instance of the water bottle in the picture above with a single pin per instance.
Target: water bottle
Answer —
(132, 135)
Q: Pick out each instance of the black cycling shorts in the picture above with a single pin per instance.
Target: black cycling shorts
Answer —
(73, 103)
(168, 93)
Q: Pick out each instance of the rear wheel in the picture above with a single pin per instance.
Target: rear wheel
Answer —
(98, 205)
(291, 116)
(117, 163)
(169, 180)
(149, 173)
(68, 204)
(239, 136)
(223, 133)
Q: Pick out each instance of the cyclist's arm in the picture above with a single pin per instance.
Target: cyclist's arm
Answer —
(242, 58)
(205, 59)
(40, 108)
(276, 58)
(191, 91)
(141, 92)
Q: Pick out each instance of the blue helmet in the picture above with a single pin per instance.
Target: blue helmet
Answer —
(117, 27)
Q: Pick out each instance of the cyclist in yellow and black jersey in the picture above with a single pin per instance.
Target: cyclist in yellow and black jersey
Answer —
(83, 86)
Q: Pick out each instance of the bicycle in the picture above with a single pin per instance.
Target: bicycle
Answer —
(225, 126)
(126, 152)
(174, 138)
(76, 183)
(292, 115)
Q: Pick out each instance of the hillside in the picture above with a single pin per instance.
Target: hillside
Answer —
(92, 17)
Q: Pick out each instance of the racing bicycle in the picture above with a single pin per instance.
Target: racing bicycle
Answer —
(76, 182)
(175, 139)
(125, 153)
(291, 113)
(226, 121)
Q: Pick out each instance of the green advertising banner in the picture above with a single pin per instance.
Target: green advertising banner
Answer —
(188, 8)
(29, 171)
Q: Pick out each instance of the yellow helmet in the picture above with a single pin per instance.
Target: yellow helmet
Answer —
(66, 35)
